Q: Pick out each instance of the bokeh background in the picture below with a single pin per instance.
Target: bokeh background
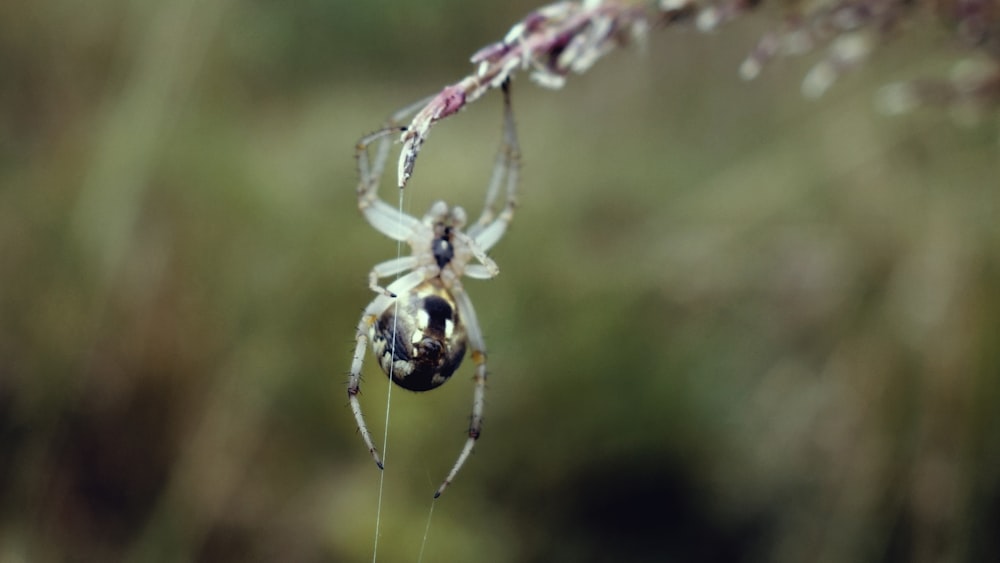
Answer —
(732, 324)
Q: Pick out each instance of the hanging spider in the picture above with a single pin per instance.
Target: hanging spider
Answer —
(420, 325)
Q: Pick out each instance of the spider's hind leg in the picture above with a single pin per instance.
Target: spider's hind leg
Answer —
(368, 319)
(478, 354)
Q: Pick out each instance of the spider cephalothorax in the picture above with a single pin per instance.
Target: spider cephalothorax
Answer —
(421, 324)
(442, 247)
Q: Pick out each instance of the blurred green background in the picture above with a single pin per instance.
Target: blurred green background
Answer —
(731, 324)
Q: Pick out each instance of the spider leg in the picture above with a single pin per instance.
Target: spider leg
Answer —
(389, 268)
(486, 268)
(384, 217)
(371, 175)
(369, 318)
(481, 272)
(478, 346)
(490, 226)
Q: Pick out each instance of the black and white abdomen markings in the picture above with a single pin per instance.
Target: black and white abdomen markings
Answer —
(430, 339)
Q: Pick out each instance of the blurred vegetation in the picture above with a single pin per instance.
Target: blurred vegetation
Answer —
(731, 324)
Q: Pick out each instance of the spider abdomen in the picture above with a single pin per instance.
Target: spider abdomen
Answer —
(420, 343)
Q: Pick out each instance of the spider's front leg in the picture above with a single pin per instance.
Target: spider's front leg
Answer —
(492, 223)
(371, 172)
(388, 220)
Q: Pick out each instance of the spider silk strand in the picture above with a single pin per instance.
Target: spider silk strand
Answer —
(427, 531)
(388, 404)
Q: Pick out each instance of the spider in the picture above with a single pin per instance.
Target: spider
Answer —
(420, 325)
